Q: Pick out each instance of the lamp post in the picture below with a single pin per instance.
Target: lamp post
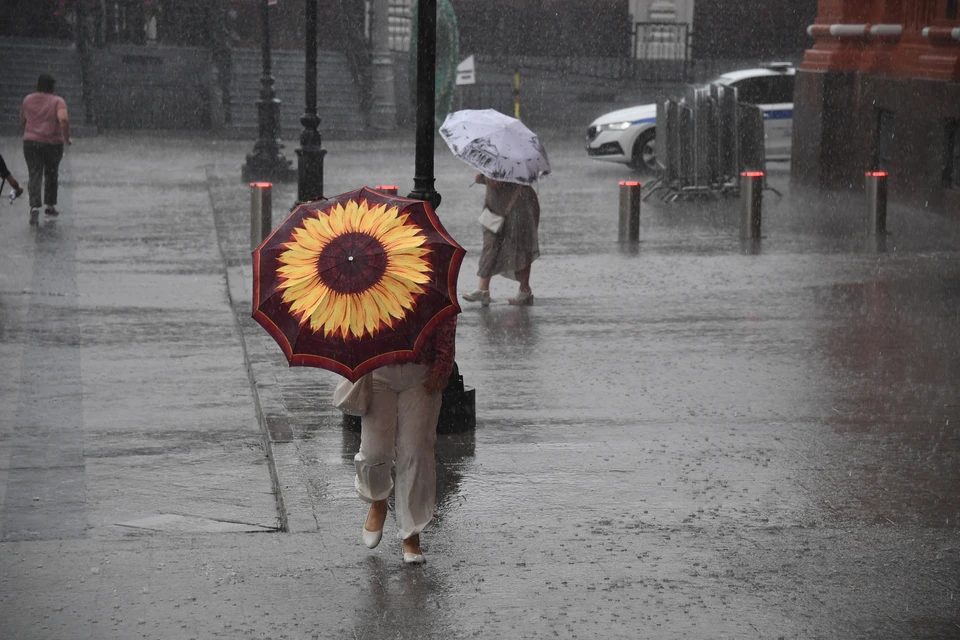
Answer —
(423, 179)
(310, 154)
(267, 162)
(458, 411)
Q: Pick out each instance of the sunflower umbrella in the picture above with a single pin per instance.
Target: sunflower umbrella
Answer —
(356, 281)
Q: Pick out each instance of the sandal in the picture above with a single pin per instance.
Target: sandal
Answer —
(523, 299)
(480, 295)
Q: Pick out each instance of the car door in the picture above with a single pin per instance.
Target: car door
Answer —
(778, 115)
(774, 95)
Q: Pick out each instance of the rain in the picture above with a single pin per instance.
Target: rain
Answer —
(716, 394)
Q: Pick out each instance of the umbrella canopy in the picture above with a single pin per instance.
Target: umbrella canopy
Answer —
(356, 282)
(498, 146)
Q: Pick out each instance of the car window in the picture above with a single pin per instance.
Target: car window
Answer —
(752, 90)
(781, 89)
(765, 90)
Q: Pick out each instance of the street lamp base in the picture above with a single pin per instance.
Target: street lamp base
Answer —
(310, 173)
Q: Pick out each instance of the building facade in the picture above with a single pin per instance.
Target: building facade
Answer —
(880, 89)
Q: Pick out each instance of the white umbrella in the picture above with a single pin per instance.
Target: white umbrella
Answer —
(498, 146)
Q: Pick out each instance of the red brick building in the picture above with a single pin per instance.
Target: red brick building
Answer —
(880, 89)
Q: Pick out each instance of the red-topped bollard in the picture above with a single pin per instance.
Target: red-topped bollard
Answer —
(628, 229)
(876, 185)
(389, 189)
(751, 203)
(261, 212)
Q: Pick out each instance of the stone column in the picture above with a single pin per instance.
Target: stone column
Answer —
(383, 103)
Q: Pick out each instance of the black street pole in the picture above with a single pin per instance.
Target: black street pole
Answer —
(310, 154)
(423, 179)
(267, 162)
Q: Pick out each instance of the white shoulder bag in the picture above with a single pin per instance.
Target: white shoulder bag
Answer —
(490, 220)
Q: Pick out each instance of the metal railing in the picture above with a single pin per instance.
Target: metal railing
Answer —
(704, 141)
(585, 66)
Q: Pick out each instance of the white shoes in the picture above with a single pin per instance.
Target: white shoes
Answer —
(523, 299)
(371, 538)
(479, 295)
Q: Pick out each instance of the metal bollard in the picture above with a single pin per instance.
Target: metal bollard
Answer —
(261, 212)
(751, 203)
(876, 183)
(628, 229)
(389, 189)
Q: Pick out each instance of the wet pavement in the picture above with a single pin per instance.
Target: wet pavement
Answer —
(692, 437)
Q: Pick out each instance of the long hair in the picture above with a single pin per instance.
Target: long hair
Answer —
(45, 83)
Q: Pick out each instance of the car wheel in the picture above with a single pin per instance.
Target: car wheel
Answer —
(644, 156)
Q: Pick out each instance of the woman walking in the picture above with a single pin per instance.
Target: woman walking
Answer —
(400, 427)
(512, 249)
(46, 129)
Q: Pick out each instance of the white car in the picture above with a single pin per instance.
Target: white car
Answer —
(628, 135)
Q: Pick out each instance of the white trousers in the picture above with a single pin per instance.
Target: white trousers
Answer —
(400, 428)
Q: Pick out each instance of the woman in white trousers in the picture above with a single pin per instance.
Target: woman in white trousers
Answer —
(400, 429)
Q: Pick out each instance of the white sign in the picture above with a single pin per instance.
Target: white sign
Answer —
(466, 72)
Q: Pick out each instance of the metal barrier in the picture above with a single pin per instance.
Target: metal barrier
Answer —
(704, 141)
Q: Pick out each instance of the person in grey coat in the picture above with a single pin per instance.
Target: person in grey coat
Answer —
(509, 252)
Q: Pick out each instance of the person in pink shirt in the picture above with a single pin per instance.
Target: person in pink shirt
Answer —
(46, 128)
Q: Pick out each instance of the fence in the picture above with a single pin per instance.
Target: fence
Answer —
(585, 66)
(704, 140)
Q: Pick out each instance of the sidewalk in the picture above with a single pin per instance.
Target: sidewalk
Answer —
(689, 439)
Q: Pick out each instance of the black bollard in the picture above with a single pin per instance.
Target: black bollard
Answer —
(876, 186)
(628, 229)
(751, 204)
(261, 212)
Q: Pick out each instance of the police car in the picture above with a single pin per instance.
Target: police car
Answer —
(628, 135)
